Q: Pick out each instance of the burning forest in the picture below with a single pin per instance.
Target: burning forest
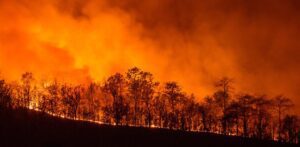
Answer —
(136, 99)
(220, 67)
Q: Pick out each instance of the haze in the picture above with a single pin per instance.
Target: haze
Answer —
(193, 42)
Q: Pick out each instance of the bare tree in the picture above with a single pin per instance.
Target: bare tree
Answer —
(281, 105)
(291, 128)
(5, 95)
(209, 114)
(160, 108)
(222, 97)
(27, 79)
(262, 118)
(245, 102)
(188, 111)
(233, 115)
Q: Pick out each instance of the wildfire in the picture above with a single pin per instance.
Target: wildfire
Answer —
(83, 41)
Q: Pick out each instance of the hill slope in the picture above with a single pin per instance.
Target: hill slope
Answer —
(29, 128)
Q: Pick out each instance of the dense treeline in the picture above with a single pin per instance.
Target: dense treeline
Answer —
(136, 99)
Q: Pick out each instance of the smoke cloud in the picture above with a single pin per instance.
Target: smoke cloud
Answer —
(193, 42)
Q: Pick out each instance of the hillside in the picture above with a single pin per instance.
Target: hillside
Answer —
(23, 127)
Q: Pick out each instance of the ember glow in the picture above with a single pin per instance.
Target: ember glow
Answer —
(192, 42)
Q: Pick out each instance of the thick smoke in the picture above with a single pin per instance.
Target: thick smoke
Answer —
(193, 42)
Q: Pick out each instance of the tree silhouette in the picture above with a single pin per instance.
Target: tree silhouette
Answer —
(147, 94)
(188, 112)
(291, 128)
(27, 79)
(53, 97)
(91, 102)
(209, 114)
(137, 99)
(115, 86)
(222, 97)
(71, 97)
(262, 114)
(246, 106)
(172, 92)
(233, 115)
(160, 109)
(282, 104)
(5, 95)
(133, 76)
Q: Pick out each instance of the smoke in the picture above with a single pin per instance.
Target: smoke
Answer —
(192, 42)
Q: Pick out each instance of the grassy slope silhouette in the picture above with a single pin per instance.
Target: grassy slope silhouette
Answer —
(22, 127)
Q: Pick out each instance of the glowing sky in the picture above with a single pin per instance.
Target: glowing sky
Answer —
(193, 42)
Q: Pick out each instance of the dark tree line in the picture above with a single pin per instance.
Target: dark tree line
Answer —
(136, 99)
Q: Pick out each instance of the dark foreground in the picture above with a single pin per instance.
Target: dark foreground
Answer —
(29, 128)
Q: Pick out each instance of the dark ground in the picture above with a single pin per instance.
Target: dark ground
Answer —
(24, 128)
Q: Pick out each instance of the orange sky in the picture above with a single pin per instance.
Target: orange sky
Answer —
(193, 42)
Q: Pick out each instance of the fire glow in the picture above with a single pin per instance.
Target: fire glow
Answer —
(191, 42)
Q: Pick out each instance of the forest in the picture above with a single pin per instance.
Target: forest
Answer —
(136, 99)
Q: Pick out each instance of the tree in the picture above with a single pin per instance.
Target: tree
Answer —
(222, 97)
(281, 105)
(141, 89)
(134, 82)
(200, 118)
(115, 86)
(71, 97)
(43, 97)
(261, 110)
(77, 91)
(43, 102)
(160, 109)
(53, 97)
(209, 114)
(245, 103)
(91, 101)
(188, 111)
(291, 128)
(5, 95)
(172, 92)
(137, 80)
(147, 94)
(233, 115)
(27, 79)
